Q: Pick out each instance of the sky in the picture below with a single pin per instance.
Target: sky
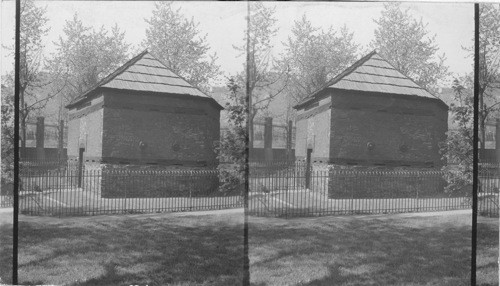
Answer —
(224, 23)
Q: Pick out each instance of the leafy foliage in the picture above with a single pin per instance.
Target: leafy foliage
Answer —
(458, 148)
(177, 42)
(407, 45)
(84, 56)
(233, 147)
(7, 124)
(313, 56)
(32, 31)
(489, 47)
(263, 79)
(489, 65)
(31, 76)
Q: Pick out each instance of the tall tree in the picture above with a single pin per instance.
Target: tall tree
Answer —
(33, 22)
(84, 56)
(313, 56)
(262, 76)
(407, 45)
(489, 65)
(232, 146)
(458, 148)
(7, 135)
(179, 44)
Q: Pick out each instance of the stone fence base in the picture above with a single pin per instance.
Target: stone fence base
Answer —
(135, 181)
(358, 182)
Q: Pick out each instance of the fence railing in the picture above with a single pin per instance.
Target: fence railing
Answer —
(295, 191)
(6, 197)
(488, 193)
(284, 189)
(67, 192)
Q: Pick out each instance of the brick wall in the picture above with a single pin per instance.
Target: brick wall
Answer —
(139, 181)
(51, 154)
(127, 127)
(279, 155)
(173, 130)
(404, 131)
(385, 182)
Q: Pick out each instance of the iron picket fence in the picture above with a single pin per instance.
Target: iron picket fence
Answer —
(489, 185)
(6, 200)
(293, 190)
(69, 192)
(283, 189)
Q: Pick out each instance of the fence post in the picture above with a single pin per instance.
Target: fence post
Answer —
(497, 140)
(40, 138)
(308, 169)
(268, 139)
(60, 141)
(289, 134)
(416, 189)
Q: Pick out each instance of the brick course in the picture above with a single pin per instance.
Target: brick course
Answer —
(404, 130)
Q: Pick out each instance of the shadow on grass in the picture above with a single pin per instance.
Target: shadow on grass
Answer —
(6, 253)
(127, 251)
(487, 252)
(333, 251)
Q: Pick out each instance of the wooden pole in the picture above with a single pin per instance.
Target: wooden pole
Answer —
(60, 143)
(268, 139)
(40, 138)
(289, 134)
(497, 141)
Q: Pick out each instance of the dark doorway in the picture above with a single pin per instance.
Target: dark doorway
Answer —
(80, 166)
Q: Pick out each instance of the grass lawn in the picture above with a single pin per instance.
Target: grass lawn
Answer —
(487, 251)
(157, 249)
(303, 203)
(77, 202)
(406, 249)
(5, 245)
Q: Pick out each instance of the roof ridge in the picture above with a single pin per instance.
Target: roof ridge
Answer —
(123, 68)
(374, 74)
(109, 77)
(108, 80)
(338, 77)
(146, 73)
(411, 79)
(181, 77)
(353, 68)
(187, 86)
(367, 82)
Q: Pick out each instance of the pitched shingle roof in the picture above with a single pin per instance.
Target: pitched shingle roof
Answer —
(144, 73)
(373, 74)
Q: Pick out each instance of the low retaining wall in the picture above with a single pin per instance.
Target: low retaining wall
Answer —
(358, 182)
(133, 181)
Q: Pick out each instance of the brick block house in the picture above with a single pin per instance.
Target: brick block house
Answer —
(371, 116)
(142, 115)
